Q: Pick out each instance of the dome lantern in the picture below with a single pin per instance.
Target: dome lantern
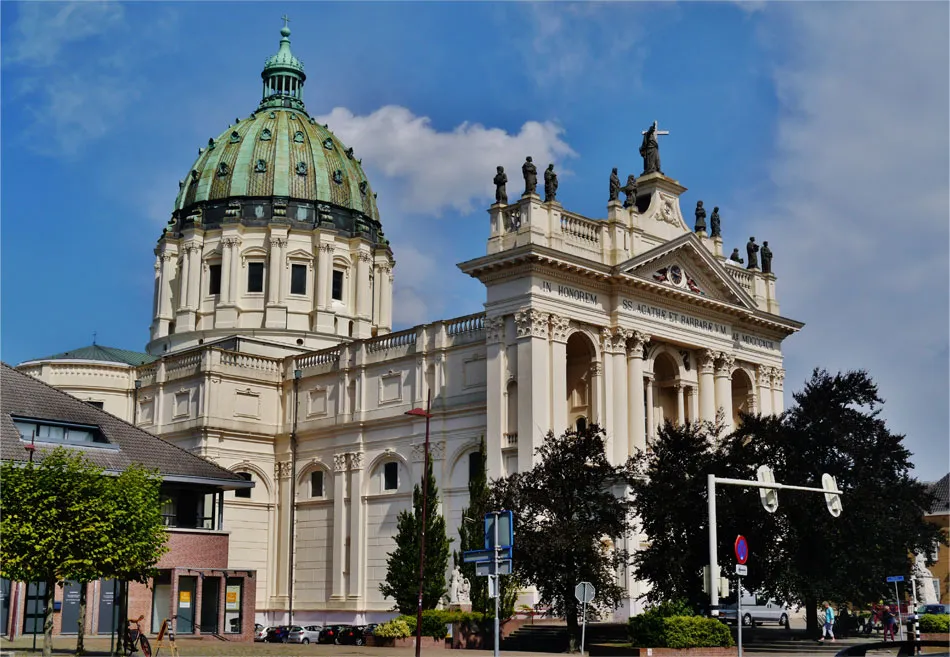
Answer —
(283, 75)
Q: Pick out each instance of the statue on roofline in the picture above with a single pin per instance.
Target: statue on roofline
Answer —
(530, 173)
(501, 192)
(550, 185)
(700, 218)
(614, 185)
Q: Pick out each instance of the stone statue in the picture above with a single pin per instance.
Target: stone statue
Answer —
(650, 151)
(700, 218)
(925, 581)
(465, 590)
(614, 185)
(714, 228)
(630, 189)
(454, 586)
(735, 256)
(530, 173)
(550, 184)
(752, 250)
(766, 258)
(501, 179)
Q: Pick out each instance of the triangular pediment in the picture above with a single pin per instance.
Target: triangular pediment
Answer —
(687, 266)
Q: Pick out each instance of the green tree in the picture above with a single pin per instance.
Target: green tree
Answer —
(569, 508)
(835, 426)
(402, 567)
(55, 513)
(472, 535)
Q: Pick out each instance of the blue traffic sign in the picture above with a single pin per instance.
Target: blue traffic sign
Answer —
(480, 556)
(895, 578)
(742, 549)
(506, 529)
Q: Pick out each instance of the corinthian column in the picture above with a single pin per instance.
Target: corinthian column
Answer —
(724, 389)
(339, 525)
(635, 404)
(534, 371)
(355, 589)
(763, 377)
(560, 327)
(707, 393)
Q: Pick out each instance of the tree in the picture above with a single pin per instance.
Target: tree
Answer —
(569, 508)
(55, 511)
(402, 567)
(472, 535)
(670, 494)
(835, 427)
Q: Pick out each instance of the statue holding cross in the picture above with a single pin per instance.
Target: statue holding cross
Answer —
(650, 149)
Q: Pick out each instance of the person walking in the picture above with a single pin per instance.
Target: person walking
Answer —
(889, 622)
(828, 628)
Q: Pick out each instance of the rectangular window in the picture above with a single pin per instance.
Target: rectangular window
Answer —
(338, 285)
(97, 404)
(298, 279)
(316, 483)
(243, 492)
(474, 465)
(391, 476)
(214, 279)
(255, 277)
(58, 433)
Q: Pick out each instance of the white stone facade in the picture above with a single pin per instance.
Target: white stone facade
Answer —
(625, 322)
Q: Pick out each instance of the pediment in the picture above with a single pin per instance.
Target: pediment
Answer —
(685, 265)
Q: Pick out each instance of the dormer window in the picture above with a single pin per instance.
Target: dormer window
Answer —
(48, 431)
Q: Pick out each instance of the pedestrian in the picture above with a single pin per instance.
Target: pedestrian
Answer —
(828, 628)
(889, 621)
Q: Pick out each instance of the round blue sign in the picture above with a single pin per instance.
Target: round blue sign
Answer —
(742, 549)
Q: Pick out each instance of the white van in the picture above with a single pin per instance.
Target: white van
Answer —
(756, 610)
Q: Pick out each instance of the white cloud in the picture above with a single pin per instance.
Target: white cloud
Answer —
(861, 179)
(43, 29)
(434, 171)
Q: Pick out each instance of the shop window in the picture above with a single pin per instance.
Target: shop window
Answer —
(255, 277)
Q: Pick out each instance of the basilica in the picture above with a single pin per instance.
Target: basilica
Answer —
(272, 353)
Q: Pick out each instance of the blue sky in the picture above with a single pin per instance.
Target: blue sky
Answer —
(821, 127)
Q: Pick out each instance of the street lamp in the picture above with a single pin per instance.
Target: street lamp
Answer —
(418, 412)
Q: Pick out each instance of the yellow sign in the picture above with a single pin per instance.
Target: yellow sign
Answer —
(184, 599)
(232, 598)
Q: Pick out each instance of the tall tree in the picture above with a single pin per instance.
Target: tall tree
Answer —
(569, 508)
(835, 426)
(472, 535)
(55, 513)
(402, 567)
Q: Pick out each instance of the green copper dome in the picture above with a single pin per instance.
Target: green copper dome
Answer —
(278, 164)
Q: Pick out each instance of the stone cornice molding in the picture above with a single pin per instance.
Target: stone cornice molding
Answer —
(532, 323)
(560, 328)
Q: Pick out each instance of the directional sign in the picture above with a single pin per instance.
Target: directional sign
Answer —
(476, 556)
(742, 549)
(896, 578)
(486, 568)
(584, 592)
(742, 570)
(505, 529)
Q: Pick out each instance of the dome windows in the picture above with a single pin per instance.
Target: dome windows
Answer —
(235, 137)
(301, 168)
(328, 144)
(261, 167)
(338, 177)
(266, 134)
(298, 137)
(223, 169)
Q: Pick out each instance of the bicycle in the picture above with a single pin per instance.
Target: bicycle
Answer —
(135, 639)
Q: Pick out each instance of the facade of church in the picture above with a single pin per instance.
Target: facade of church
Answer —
(273, 354)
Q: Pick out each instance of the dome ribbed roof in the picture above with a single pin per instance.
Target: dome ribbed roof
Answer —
(279, 152)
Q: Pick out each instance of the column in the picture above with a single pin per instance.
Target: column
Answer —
(596, 393)
(763, 377)
(183, 279)
(680, 403)
(324, 269)
(707, 391)
(651, 424)
(194, 283)
(533, 384)
(778, 390)
(364, 291)
(355, 589)
(693, 403)
(724, 389)
(273, 274)
(285, 498)
(560, 328)
(339, 525)
(635, 405)
(386, 301)
(167, 274)
(225, 296)
(495, 403)
(618, 397)
(234, 273)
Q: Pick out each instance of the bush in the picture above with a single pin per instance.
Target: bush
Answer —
(934, 623)
(434, 621)
(695, 632)
(397, 628)
(646, 629)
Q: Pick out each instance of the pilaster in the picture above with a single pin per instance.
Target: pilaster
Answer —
(635, 392)
(724, 364)
(778, 390)
(534, 370)
(357, 513)
(339, 527)
(651, 412)
(285, 495)
(707, 392)
(495, 403)
(275, 312)
(763, 376)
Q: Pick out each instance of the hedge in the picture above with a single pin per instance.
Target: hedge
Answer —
(646, 629)
(397, 628)
(672, 625)
(934, 623)
(434, 621)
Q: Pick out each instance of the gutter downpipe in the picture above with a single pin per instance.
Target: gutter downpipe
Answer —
(293, 499)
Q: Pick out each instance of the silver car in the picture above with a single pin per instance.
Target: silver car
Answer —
(756, 611)
(304, 634)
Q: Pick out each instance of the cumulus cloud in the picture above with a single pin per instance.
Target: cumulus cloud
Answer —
(861, 197)
(435, 171)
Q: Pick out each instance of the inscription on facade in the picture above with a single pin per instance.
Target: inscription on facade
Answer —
(755, 341)
(568, 292)
(673, 317)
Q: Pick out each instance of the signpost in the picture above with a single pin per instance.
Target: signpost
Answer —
(897, 601)
(742, 555)
(495, 559)
(584, 592)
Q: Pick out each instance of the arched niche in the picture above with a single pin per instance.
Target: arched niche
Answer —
(743, 394)
(262, 490)
(315, 482)
(581, 355)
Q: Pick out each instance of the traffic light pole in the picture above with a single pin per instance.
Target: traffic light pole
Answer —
(832, 495)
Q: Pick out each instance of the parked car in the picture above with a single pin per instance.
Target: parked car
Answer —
(330, 633)
(260, 631)
(305, 634)
(934, 609)
(355, 635)
(755, 611)
(277, 634)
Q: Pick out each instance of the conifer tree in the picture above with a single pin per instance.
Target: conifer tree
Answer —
(402, 567)
(472, 535)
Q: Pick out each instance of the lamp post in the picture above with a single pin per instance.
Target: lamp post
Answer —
(418, 412)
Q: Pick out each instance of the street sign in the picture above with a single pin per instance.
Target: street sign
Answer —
(506, 534)
(742, 549)
(742, 570)
(584, 592)
(476, 556)
(895, 578)
(769, 496)
(833, 500)
(486, 568)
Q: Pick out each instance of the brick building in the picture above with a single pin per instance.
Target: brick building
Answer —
(194, 586)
